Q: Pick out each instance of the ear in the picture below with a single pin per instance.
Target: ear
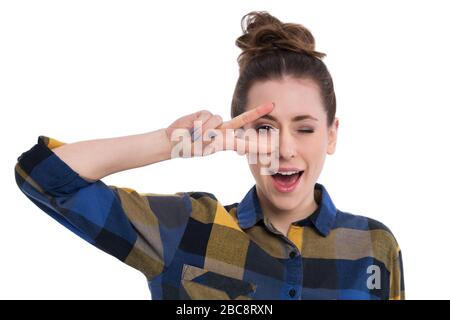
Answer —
(332, 136)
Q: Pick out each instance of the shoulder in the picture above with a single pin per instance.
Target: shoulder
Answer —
(206, 208)
(202, 199)
(204, 205)
(380, 236)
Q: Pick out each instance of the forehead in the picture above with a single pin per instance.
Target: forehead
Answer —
(292, 96)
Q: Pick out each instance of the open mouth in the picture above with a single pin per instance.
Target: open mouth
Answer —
(286, 181)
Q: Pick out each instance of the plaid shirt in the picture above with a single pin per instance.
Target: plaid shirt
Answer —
(190, 246)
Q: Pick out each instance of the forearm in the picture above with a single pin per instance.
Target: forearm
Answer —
(95, 159)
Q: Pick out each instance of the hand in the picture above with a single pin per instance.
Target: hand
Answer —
(198, 127)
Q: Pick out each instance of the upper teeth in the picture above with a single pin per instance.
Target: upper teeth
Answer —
(287, 173)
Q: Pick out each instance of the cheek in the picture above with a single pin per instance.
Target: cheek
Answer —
(260, 178)
(314, 151)
(254, 168)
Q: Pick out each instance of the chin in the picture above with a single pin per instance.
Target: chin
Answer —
(284, 207)
(285, 202)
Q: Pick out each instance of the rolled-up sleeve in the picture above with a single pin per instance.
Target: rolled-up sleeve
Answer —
(142, 230)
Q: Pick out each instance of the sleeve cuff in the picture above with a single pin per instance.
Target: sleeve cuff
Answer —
(45, 168)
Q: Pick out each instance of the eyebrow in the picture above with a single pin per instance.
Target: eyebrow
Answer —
(296, 118)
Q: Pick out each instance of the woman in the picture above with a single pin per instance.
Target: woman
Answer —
(284, 240)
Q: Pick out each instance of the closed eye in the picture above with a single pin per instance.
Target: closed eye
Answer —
(306, 130)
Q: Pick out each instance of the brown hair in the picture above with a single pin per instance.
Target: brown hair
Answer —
(272, 49)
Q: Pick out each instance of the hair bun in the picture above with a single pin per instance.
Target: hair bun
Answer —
(264, 33)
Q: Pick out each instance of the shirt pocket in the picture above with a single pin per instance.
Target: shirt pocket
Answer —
(199, 283)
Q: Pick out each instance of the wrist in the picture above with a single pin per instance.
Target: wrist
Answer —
(160, 145)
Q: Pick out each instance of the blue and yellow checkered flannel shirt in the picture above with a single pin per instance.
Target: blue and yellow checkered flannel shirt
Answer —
(190, 246)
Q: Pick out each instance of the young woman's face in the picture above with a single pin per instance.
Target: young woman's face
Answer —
(304, 138)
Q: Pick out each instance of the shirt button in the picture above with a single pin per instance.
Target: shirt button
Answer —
(292, 293)
(292, 254)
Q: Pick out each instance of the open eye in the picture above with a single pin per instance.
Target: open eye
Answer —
(264, 128)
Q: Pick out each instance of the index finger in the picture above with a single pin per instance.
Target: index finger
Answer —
(248, 116)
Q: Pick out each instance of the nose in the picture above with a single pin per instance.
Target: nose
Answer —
(287, 146)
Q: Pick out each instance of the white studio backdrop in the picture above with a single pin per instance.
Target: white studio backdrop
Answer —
(79, 70)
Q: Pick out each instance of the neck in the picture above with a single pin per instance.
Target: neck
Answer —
(282, 219)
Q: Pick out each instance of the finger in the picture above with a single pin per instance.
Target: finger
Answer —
(202, 113)
(210, 149)
(243, 146)
(219, 139)
(208, 128)
(226, 139)
(215, 140)
(201, 118)
(261, 144)
(196, 116)
(248, 116)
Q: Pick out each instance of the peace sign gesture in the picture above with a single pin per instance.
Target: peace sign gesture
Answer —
(209, 134)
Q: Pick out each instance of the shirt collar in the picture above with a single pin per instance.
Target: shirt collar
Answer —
(249, 211)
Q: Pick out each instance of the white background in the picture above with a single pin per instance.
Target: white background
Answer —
(78, 70)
